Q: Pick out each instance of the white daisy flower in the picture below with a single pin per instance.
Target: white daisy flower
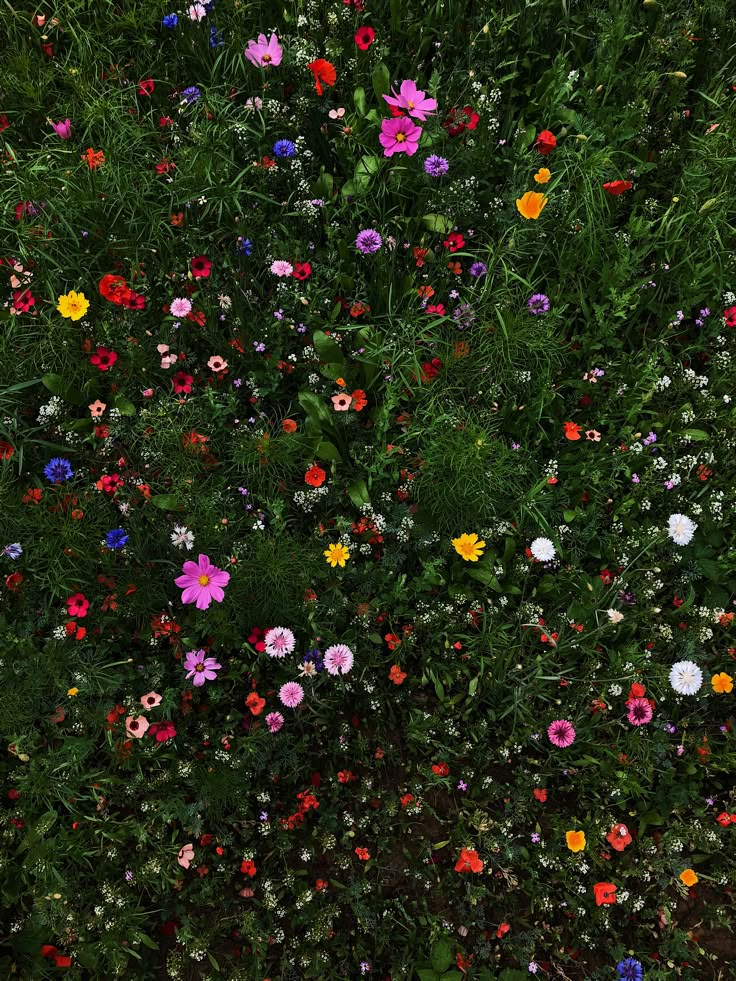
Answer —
(686, 677)
(542, 549)
(681, 529)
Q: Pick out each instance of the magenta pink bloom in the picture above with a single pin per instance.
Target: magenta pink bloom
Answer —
(640, 711)
(200, 668)
(412, 99)
(62, 129)
(274, 721)
(263, 53)
(291, 694)
(561, 733)
(399, 135)
(338, 659)
(202, 582)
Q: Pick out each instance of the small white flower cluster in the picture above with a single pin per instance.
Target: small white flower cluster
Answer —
(49, 411)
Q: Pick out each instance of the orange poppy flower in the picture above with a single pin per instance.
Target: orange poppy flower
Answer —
(360, 401)
(618, 837)
(572, 430)
(468, 861)
(288, 426)
(605, 893)
(323, 71)
(689, 877)
(397, 675)
(255, 703)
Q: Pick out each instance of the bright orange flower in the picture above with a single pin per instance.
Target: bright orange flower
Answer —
(572, 430)
(360, 400)
(468, 861)
(93, 158)
(575, 840)
(315, 476)
(323, 71)
(397, 675)
(255, 703)
(689, 877)
(531, 204)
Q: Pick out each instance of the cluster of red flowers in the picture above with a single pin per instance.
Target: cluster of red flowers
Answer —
(307, 802)
(116, 290)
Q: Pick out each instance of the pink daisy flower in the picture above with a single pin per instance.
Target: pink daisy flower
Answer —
(640, 711)
(180, 307)
(561, 733)
(279, 641)
(202, 582)
(274, 721)
(280, 267)
(291, 694)
(338, 659)
(399, 135)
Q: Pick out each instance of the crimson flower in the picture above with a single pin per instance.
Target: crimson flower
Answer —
(200, 267)
(103, 358)
(617, 187)
(364, 37)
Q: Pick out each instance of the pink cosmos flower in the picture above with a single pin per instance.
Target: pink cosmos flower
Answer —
(338, 659)
(180, 306)
(136, 727)
(200, 668)
(640, 711)
(264, 54)
(279, 641)
(274, 721)
(561, 733)
(399, 135)
(291, 694)
(202, 582)
(151, 700)
(411, 99)
(185, 856)
(62, 129)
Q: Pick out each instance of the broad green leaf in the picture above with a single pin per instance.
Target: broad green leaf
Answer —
(326, 348)
(441, 956)
(381, 81)
(359, 100)
(57, 386)
(437, 223)
(328, 451)
(167, 502)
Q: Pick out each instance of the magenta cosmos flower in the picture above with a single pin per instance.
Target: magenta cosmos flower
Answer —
(561, 733)
(399, 135)
(412, 99)
(200, 668)
(640, 711)
(338, 659)
(291, 694)
(263, 53)
(202, 582)
(279, 641)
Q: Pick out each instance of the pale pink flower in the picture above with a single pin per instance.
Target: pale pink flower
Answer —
(136, 727)
(216, 363)
(263, 53)
(341, 402)
(291, 694)
(180, 306)
(185, 856)
(338, 659)
(280, 267)
(151, 700)
(279, 641)
(197, 12)
(274, 721)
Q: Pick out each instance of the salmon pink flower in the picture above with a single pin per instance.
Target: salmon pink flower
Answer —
(185, 856)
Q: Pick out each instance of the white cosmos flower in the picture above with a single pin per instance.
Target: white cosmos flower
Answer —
(686, 677)
(542, 549)
(681, 529)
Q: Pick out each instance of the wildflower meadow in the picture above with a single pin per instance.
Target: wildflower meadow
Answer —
(367, 565)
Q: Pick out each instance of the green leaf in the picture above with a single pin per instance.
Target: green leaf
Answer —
(326, 348)
(124, 406)
(697, 435)
(328, 451)
(167, 502)
(57, 386)
(366, 167)
(316, 410)
(426, 974)
(437, 223)
(568, 516)
(441, 956)
(359, 100)
(358, 493)
(381, 81)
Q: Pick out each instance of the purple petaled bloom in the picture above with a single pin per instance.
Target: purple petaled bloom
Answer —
(399, 135)
(461, 785)
(291, 694)
(640, 711)
(191, 94)
(263, 53)
(478, 269)
(412, 99)
(436, 166)
(200, 668)
(368, 241)
(561, 733)
(202, 582)
(62, 129)
(536, 837)
(539, 303)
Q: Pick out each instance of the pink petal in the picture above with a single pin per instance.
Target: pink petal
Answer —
(192, 593)
(190, 568)
(215, 592)
(220, 578)
(204, 599)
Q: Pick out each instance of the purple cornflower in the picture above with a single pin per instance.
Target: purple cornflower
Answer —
(538, 304)
(191, 94)
(464, 316)
(368, 241)
(651, 438)
(478, 269)
(670, 729)
(128, 876)
(436, 166)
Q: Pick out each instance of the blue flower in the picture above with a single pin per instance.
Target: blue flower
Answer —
(116, 538)
(284, 148)
(191, 94)
(13, 551)
(215, 37)
(244, 246)
(630, 969)
(58, 470)
(170, 21)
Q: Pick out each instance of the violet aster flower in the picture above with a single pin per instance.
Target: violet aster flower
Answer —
(202, 582)
(200, 668)
(368, 241)
(338, 659)
(478, 269)
(291, 694)
(412, 99)
(399, 135)
(539, 303)
(436, 166)
(561, 733)
(263, 53)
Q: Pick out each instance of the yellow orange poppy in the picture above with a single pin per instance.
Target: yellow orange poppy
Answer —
(530, 205)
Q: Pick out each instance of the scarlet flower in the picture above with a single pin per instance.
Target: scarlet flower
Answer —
(729, 315)
(441, 769)
(430, 369)
(406, 799)
(546, 142)
(182, 382)
(13, 581)
(617, 187)
(364, 37)
(109, 483)
(540, 794)
(454, 241)
(345, 776)
(572, 430)
(321, 885)
(397, 675)
(6, 450)
(93, 158)
(315, 476)
(605, 893)
(502, 930)
(200, 267)
(458, 120)
(146, 87)
(393, 641)
(323, 71)
(255, 703)
(468, 861)
(161, 731)
(360, 401)
(301, 270)
(113, 288)
(363, 854)
(618, 837)
(32, 496)
(419, 256)
(23, 300)
(103, 358)
(724, 819)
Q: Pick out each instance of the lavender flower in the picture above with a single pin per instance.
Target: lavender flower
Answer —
(436, 166)
(368, 241)
(538, 304)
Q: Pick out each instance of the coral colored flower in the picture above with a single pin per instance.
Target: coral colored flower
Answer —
(360, 400)
(336, 555)
(202, 582)
(618, 837)
(364, 37)
(546, 142)
(151, 700)
(722, 683)
(315, 476)
(572, 430)
(248, 867)
(468, 861)
(288, 426)
(502, 930)
(617, 187)
(689, 877)
(264, 53)
(540, 794)
(441, 769)
(216, 363)
(561, 733)
(531, 204)
(575, 840)
(411, 99)
(341, 402)
(200, 668)
(543, 175)
(255, 703)
(397, 675)
(291, 694)
(185, 856)
(469, 547)
(73, 305)
(399, 135)
(93, 158)
(605, 893)
(96, 409)
(323, 71)
(363, 854)
(137, 727)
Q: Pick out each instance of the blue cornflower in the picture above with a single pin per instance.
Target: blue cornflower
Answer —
(630, 969)
(170, 21)
(244, 246)
(13, 551)
(478, 269)
(436, 166)
(215, 37)
(191, 94)
(116, 538)
(284, 148)
(315, 656)
(58, 470)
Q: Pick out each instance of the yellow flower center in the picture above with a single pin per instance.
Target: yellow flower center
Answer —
(411, 105)
(400, 137)
(266, 58)
(203, 580)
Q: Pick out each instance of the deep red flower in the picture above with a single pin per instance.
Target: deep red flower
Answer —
(6, 450)
(729, 315)
(301, 270)
(364, 37)
(23, 300)
(441, 769)
(161, 731)
(182, 382)
(103, 358)
(430, 369)
(454, 241)
(458, 120)
(323, 71)
(200, 267)
(146, 87)
(617, 187)
(113, 288)
(546, 142)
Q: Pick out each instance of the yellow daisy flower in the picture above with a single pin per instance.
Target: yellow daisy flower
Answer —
(73, 305)
(469, 547)
(336, 555)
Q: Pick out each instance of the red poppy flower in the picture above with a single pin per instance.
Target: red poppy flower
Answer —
(618, 837)
(113, 288)
(454, 241)
(103, 358)
(546, 142)
(572, 430)
(468, 861)
(617, 187)
(6, 450)
(502, 930)
(605, 893)
(13, 581)
(458, 120)
(200, 267)
(540, 794)
(323, 71)
(729, 316)
(360, 400)
(301, 270)
(430, 369)
(364, 37)
(315, 476)
(441, 769)
(146, 87)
